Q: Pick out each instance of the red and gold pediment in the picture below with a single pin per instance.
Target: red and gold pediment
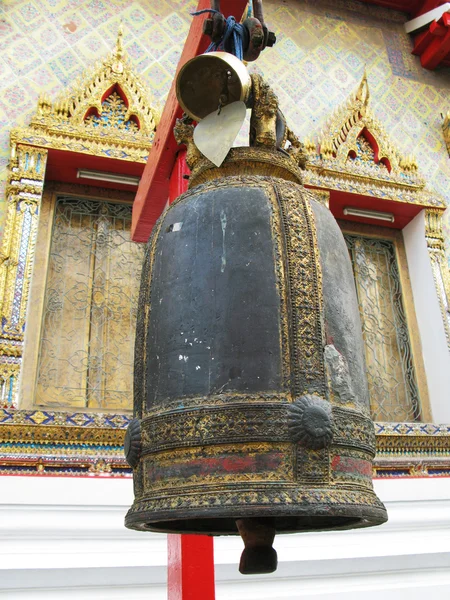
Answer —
(106, 112)
(354, 153)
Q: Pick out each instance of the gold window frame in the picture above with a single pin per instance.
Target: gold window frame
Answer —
(396, 238)
(30, 362)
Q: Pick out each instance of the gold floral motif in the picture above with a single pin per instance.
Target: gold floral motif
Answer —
(114, 112)
(248, 162)
(258, 494)
(305, 289)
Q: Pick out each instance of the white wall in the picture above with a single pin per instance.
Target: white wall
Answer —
(63, 538)
(436, 356)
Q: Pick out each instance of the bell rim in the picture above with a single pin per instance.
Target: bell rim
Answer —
(202, 522)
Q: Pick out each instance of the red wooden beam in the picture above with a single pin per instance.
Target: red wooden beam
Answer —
(427, 5)
(153, 190)
(434, 45)
(178, 182)
(190, 573)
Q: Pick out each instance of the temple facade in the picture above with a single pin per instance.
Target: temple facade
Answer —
(83, 89)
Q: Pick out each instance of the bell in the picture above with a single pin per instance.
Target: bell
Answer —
(223, 76)
(251, 399)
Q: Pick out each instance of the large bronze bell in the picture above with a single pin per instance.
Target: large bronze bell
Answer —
(251, 400)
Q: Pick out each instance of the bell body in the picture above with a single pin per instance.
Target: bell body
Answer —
(251, 396)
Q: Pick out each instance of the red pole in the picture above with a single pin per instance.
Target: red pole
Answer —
(179, 179)
(190, 569)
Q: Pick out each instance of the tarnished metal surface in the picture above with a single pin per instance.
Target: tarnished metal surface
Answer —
(223, 76)
(249, 378)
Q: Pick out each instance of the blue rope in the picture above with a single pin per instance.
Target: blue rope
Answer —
(233, 38)
(202, 12)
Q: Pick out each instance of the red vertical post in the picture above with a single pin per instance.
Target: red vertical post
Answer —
(190, 569)
(179, 179)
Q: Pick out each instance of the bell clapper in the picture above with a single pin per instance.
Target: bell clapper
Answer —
(258, 555)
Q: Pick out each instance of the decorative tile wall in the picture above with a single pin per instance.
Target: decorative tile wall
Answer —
(322, 49)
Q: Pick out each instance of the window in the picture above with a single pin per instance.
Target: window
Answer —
(86, 343)
(391, 370)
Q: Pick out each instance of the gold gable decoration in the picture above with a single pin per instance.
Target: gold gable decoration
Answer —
(105, 113)
(354, 154)
(353, 133)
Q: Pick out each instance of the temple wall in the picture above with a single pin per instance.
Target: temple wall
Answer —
(323, 47)
(64, 537)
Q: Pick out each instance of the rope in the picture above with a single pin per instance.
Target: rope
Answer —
(233, 37)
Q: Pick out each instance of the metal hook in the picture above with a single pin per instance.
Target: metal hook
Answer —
(258, 11)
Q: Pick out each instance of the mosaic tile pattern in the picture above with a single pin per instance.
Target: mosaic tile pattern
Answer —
(12, 416)
(323, 47)
(88, 444)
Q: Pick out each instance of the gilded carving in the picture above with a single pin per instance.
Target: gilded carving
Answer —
(439, 266)
(259, 495)
(236, 423)
(305, 289)
(122, 125)
(23, 193)
(354, 154)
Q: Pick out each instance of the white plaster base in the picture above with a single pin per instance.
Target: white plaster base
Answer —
(63, 538)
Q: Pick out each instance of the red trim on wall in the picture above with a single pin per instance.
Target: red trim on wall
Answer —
(63, 165)
(179, 179)
(402, 211)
